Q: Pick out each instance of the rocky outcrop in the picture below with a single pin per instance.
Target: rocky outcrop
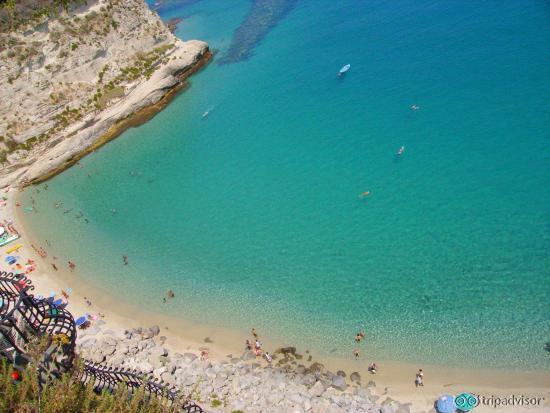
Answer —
(234, 384)
(71, 83)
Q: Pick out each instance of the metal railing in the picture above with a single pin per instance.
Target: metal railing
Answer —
(24, 318)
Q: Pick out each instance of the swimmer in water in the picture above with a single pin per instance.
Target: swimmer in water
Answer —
(401, 150)
(415, 107)
(364, 194)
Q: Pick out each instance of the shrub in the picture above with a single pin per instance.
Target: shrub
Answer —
(67, 395)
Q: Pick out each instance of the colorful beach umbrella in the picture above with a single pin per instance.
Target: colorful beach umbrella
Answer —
(446, 404)
(10, 259)
(81, 320)
(58, 302)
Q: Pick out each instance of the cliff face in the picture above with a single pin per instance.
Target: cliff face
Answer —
(66, 81)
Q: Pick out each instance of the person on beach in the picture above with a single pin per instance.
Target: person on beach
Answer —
(362, 334)
(356, 353)
(358, 338)
(54, 266)
(254, 333)
(419, 380)
(204, 355)
(72, 265)
(268, 357)
(248, 345)
(372, 368)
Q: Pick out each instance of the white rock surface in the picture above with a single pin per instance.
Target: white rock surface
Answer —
(61, 64)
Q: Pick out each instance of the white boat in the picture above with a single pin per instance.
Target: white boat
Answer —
(207, 112)
(344, 69)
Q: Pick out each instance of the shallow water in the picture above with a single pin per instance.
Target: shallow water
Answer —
(252, 215)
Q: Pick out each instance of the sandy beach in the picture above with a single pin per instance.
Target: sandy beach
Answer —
(394, 379)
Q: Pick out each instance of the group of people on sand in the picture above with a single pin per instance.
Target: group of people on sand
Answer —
(40, 251)
(256, 345)
(8, 224)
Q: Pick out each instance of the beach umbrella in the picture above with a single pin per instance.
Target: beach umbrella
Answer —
(81, 320)
(446, 404)
(10, 259)
(58, 302)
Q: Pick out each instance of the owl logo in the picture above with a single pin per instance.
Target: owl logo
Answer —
(466, 402)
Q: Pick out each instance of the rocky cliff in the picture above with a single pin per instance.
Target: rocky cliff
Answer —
(72, 79)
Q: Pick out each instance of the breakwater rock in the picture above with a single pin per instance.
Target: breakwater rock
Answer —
(243, 382)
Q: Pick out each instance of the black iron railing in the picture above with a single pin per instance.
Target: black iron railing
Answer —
(24, 318)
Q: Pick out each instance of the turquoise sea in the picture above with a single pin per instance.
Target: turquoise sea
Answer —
(252, 215)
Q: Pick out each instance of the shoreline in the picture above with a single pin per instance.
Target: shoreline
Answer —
(395, 377)
(135, 119)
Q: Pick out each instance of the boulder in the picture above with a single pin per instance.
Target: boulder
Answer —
(362, 392)
(145, 367)
(97, 357)
(386, 409)
(371, 384)
(338, 382)
(341, 373)
(316, 367)
(317, 389)
(158, 351)
(355, 377)
(155, 330)
(107, 350)
(403, 408)
(189, 357)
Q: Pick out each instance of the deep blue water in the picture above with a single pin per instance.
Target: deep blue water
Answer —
(252, 215)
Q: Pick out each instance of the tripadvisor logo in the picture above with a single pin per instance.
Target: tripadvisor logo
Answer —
(466, 402)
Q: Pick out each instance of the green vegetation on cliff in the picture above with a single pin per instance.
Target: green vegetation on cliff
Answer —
(16, 13)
